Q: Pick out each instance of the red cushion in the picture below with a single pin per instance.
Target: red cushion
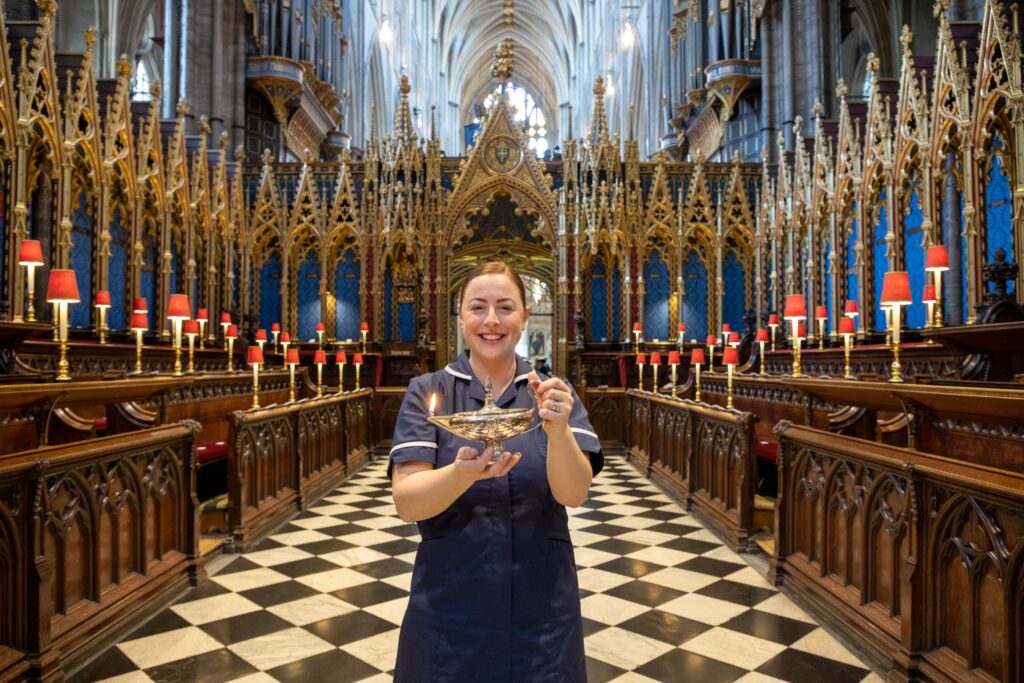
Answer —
(100, 424)
(208, 452)
(767, 450)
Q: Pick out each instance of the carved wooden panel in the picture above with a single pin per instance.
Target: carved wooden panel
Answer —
(607, 410)
(321, 445)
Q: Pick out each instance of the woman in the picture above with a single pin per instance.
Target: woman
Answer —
(494, 593)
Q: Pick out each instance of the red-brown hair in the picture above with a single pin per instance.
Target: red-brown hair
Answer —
(494, 268)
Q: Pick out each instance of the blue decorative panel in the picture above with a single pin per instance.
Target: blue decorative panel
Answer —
(81, 263)
(406, 321)
(598, 301)
(150, 261)
(998, 215)
(270, 292)
(735, 279)
(117, 273)
(346, 297)
(616, 304)
(308, 288)
(829, 324)
(851, 262)
(695, 302)
(880, 260)
(913, 249)
(656, 287)
(388, 287)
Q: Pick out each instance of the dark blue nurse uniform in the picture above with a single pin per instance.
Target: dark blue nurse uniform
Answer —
(494, 592)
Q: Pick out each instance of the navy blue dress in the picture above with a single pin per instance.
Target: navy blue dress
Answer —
(494, 593)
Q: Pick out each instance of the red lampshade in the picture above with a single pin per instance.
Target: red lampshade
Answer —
(820, 313)
(103, 299)
(712, 340)
(697, 357)
(726, 328)
(731, 356)
(364, 327)
(31, 253)
(178, 308)
(261, 335)
(62, 287)
(682, 328)
(801, 331)
(655, 358)
(191, 327)
(636, 327)
(896, 289)
(286, 338)
(641, 359)
(139, 321)
(357, 358)
(340, 358)
(232, 332)
(293, 357)
(319, 327)
(762, 335)
(773, 319)
(929, 294)
(936, 259)
(847, 326)
(319, 358)
(225, 318)
(254, 355)
(851, 309)
(276, 327)
(203, 315)
(734, 337)
(673, 358)
(796, 307)
(141, 305)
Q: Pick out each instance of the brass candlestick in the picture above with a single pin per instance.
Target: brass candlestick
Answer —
(291, 382)
(673, 380)
(847, 372)
(255, 385)
(655, 367)
(63, 368)
(762, 358)
(319, 379)
(821, 334)
(696, 395)
(103, 324)
(177, 362)
(341, 377)
(728, 398)
(640, 376)
(897, 370)
(202, 333)
(231, 353)
(773, 336)
(358, 365)
(138, 353)
(191, 354)
(938, 322)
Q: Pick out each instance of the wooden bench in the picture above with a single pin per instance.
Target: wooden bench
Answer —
(94, 538)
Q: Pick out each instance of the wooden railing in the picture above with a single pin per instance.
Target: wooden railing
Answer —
(282, 457)
(916, 557)
(703, 454)
(94, 537)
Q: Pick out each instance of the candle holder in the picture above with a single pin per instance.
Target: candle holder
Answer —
(796, 310)
(358, 362)
(937, 262)
(712, 343)
(319, 358)
(364, 329)
(30, 255)
(140, 324)
(230, 336)
(340, 358)
(178, 312)
(191, 331)
(255, 359)
(773, 324)
(762, 339)
(655, 362)
(696, 360)
(291, 360)
(491, 425)
(895, 295)
(202, 317)
(821, 316)
(641, 360)
(102, 305)
(673, 362)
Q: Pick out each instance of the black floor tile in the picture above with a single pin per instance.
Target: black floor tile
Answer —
(662, 515)
(769, 627)
(706, 565)
(333, 665)
(348, 628)
(679, 665)
(606, 529)
(166, 621)
(405, 530)
(240, 564)
(665, 626)
(739, 593)
(310, 565)
(688, 545)
(276, 593)
(355, 516)
(399, 546)
(363, 504)
(330, 545)
(597, 516)
(640, 502)
(650, 594)
(372, 593)
(382, 569)
(210, 667)
(111, 663)
(337, 530)
(207, 589)
(794, 665)
(674, 528)
(601, 672)
(627, 566)
(245, 627)
(590, 627)
(616, 546)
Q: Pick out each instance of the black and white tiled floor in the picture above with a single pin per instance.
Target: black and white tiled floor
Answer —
(322, 600)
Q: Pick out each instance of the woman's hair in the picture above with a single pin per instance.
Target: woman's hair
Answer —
(493, 268)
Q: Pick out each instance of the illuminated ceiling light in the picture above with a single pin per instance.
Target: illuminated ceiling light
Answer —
(628, 35)
(609, 85)
(385, 34)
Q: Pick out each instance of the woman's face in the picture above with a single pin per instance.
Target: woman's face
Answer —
(493, 316)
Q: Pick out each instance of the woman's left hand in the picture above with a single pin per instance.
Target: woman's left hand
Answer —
(555, 401)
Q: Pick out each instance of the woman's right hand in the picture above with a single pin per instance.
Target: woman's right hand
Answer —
(477, 467)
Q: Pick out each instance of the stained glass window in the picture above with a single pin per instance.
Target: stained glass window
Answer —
(525, 111)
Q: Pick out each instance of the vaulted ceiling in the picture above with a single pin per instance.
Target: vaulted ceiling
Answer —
(544, 33)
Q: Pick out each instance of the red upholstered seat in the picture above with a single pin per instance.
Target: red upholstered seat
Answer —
(100, 424)
(767, 450)
(209, 452)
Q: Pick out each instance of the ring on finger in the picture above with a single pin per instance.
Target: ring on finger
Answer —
(556, 407)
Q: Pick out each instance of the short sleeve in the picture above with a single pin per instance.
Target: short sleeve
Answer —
(415, 439)
(586, 437)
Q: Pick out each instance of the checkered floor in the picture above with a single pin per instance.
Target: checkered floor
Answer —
(322, 599)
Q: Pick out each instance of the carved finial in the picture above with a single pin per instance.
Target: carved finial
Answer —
(223, 139)
(488, 392)
(841, 89)
(267, 157)
(819, 109)
(599, 85)
(906, 37)
(403, 84)
(90, 39)
(873, 63)
(204, 124)
(798, 122)
(240, 153)
(49, 7)
(124, 66)
(156, 90)
(939, 8)
(182, 107)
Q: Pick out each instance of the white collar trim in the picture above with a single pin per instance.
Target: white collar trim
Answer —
(460, 375)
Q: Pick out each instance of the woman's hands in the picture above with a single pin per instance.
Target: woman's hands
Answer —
(476, 467)
(555, 402)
